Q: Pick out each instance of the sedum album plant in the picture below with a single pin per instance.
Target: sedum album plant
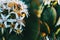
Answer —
(42, 24)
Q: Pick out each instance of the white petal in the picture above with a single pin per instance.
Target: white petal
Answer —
(5, 23)
(21, 18)
(2, 30)
(21, 23)
(4, 7)
(58, 23)
(11, 20)
(1, 10)
(7, 16)
(1, 20)
(8, 10)
(16, 26)
(20, 26)
(16, 16)
(47, 38)
(10, 30)
(2, 16)
(25, 6)
(26, 13)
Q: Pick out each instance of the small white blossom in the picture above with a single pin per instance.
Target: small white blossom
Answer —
(4, 18)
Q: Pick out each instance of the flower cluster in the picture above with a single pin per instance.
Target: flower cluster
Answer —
(18, 8)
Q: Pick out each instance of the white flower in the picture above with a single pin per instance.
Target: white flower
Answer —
(4, 18)
(19, 22)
